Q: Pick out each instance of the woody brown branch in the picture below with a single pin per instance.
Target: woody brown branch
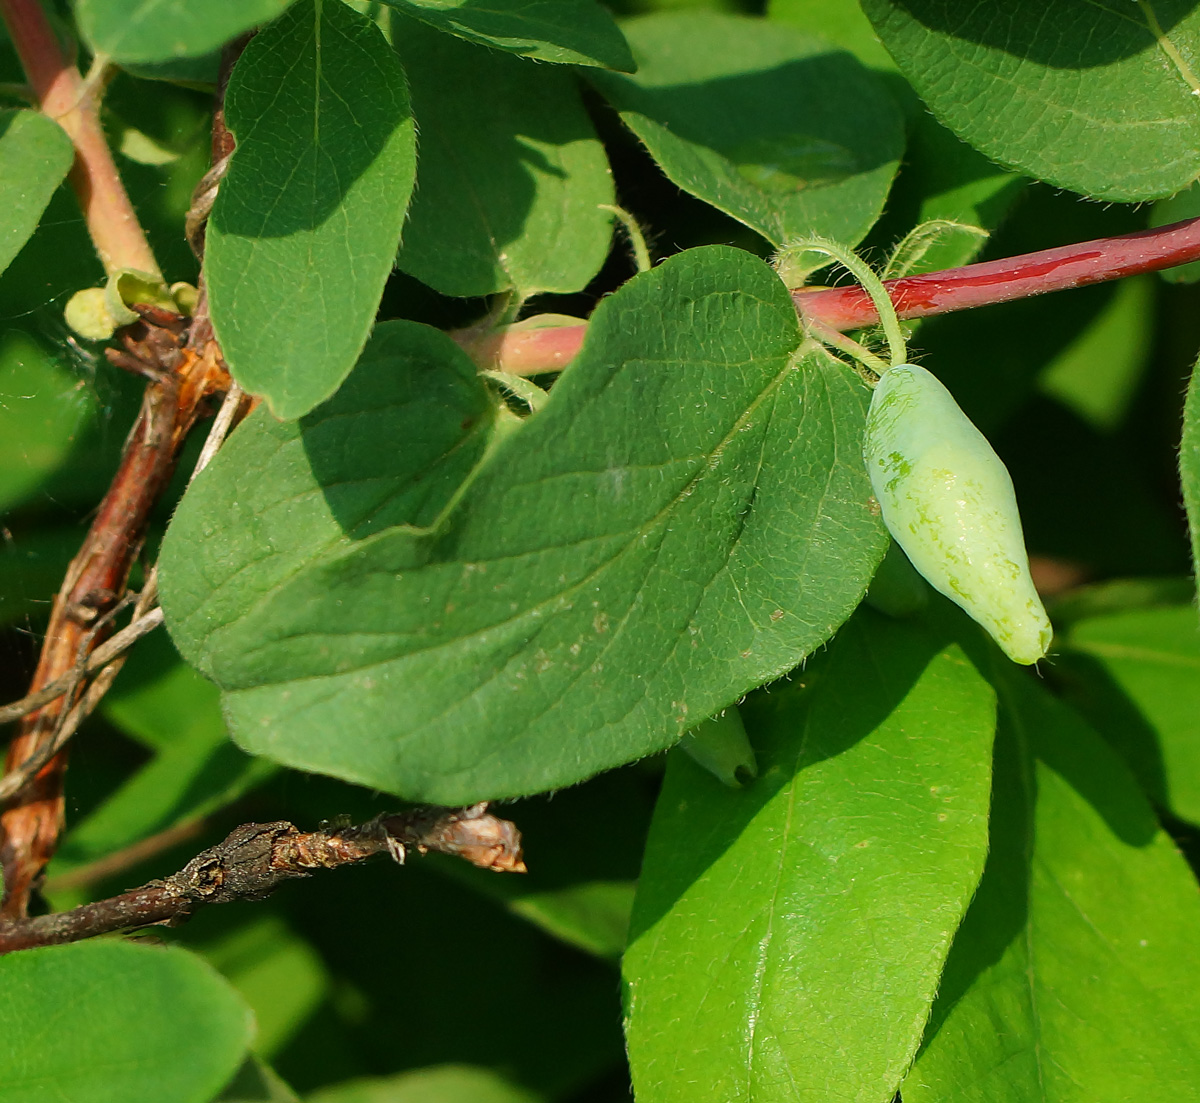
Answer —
(254, 859)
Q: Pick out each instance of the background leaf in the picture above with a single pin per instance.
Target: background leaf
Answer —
(788, 937)
(573, 32)
(35, 154)
(511, 174)
(1074, 974)
(441, 1084)
(305, 226)
(156, 30)
(737, 112)
(1135, 675)
(1093, 97)
(115, 1022)
(687, 517)
(1189, 464)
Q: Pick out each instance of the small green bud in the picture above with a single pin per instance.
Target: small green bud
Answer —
(948, 501)
(88, 315)
(721, 747)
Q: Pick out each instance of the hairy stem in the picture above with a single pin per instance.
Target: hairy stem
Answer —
(71, 102)
(533, 351)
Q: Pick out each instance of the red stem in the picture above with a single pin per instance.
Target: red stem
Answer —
(530, 351)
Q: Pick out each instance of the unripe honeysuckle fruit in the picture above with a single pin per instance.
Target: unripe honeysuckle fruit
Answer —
(948, 501)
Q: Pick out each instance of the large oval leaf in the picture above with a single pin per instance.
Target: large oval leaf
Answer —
(786, 133)
(1098, 98)
(688, 517)
(115, 1022)
(305, 227)
(1075, 974)
(511, 182)
(788, 937)
(155, 30)
(35, 154)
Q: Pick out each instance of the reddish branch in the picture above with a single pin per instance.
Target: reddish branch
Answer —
(257, 857)
(70, 101)
(532, 351)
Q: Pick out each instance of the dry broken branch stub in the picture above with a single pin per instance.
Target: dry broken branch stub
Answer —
(256, 858)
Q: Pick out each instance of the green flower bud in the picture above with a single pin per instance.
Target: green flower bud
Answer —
(948, 501)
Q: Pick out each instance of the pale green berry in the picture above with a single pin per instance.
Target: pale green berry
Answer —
(948, 501)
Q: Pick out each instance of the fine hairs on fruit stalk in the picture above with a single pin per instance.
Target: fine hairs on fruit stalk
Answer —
(945, 496)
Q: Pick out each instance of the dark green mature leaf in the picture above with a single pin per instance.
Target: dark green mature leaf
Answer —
(1189, 464)
(1141, 689)
(35, 154)
(686, 518)
(572, 32)
(1095, 97)
(511, 174)
(155, 30)
(1074, 975)
(305, 227)
(115, 1022)
(784, 132)
(788, 938)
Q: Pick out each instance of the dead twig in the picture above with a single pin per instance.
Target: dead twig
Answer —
(256, 858)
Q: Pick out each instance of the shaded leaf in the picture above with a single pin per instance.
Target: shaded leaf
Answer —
(573, 32)
(115, 1022)
(1177, 208)
(441, 1084)
(1074, 975)
(305, 226)
(511, 174)
(156, 30)
(784, 132)
(1189, 464)
(686, 518)
(35, 154)
(1141, 689)
(788, 938)
(593, 916)
(1093, 97)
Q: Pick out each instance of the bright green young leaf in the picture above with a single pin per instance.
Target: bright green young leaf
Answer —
(686, 518)
(788, 938)
(1189, 463)
(572, 32)
(510, 184)
(1073, 978)
(784, 132)
(305, 227)
(156, 30)
(35, 154)
(1099, 98)
(115, 1022)
(440, 1084)
(1141, 688)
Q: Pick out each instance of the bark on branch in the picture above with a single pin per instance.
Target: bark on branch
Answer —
(256, 858)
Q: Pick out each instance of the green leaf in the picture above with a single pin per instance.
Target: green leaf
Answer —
(156, 30)
(1140, 687)
(510, 183)
(571, 32)
(686, 518)
(42, 409)
(942, 177)
(1073, 976)
(784, 132)
(441, 1084)
(788, 938)
(35, 154)
(305, 226)
(1189, 463)
(115, 1022)
(1096, 98)
(593, 916)
(1097, 375)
